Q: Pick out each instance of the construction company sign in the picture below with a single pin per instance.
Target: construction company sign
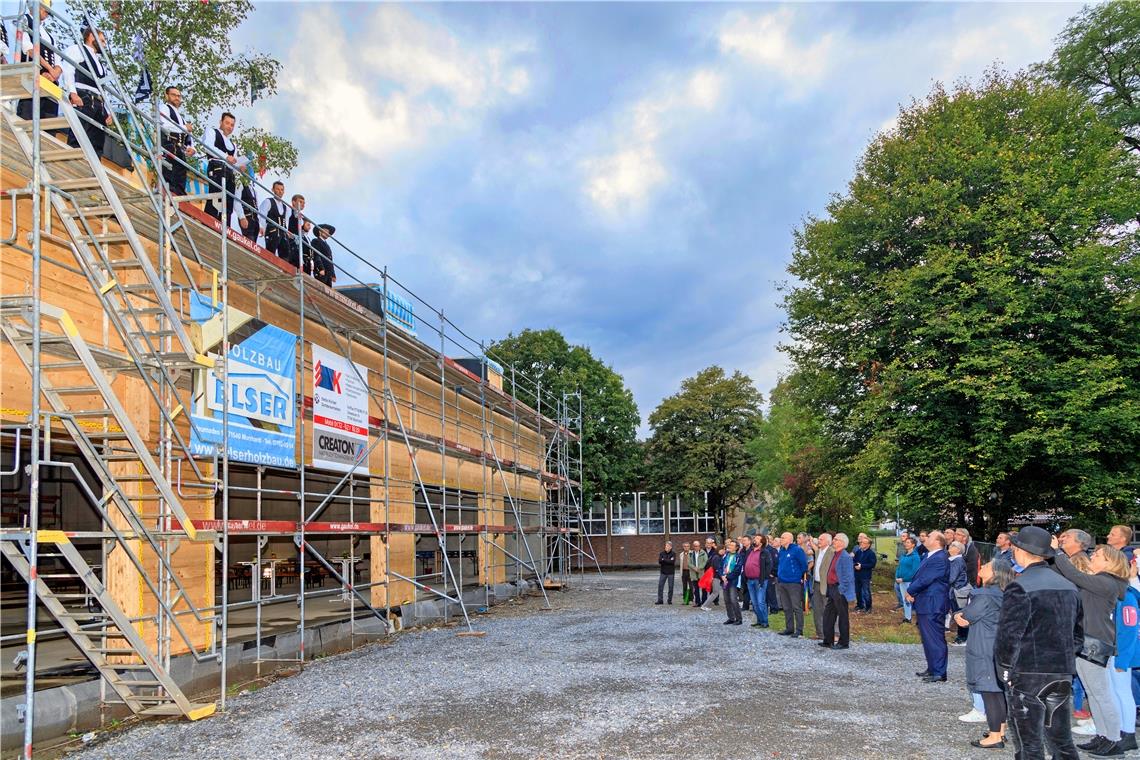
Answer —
(257, 394)
(340, 412)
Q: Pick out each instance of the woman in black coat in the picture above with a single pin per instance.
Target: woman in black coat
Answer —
(981, 614)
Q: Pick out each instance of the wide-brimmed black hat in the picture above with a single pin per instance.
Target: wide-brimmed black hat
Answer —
(327, 228)
(1034, 540)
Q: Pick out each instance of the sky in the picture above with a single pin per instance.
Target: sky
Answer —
(630, 174)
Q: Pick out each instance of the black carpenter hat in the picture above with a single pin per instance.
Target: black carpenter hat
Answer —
(1034, 540)
(327, 228)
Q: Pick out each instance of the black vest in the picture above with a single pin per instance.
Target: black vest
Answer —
(45, 38)
(275, 216)
(94, 65)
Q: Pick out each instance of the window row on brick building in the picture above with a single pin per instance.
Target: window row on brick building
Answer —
(646, 513)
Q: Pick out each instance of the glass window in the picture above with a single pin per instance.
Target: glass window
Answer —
(651, 514)
(594, 518)
(705, 520)
(681, 519)
(625, 515)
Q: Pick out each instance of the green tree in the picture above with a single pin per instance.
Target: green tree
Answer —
(187, 44)
(700, 436)
(1098, 54)
(610, 454)
(966, 312)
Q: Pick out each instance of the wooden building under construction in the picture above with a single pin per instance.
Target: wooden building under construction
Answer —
(205, 451)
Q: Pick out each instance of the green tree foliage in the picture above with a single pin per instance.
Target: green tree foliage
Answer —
(187, 44)
(700, 438)
(965, 316)
(1098, 53)
(268, 150)
(610, 454)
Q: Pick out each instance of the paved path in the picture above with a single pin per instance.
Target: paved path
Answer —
(605, 675)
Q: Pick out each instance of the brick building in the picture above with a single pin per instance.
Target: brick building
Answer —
(629, 530)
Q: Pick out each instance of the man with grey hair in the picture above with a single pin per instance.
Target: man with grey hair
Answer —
(840, 593)
(823, 554)
(1075, 540)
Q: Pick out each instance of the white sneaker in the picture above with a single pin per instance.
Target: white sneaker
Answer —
(973, 717)
(1084, 728)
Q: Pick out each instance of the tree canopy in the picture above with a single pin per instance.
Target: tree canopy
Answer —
(1098, 54)
(610, 454)
(964, 320)
(700, 436)
(187, 44)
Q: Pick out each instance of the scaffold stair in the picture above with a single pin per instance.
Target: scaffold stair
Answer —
(143, 685)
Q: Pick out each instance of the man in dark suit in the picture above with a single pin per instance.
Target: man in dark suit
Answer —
(929, 592)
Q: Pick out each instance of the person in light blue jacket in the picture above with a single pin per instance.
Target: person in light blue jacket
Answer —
(1126, 658)
(904, 573)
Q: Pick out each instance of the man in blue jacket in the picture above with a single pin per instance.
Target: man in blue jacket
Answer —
(929, 593)
(840, 581)
(790, 569)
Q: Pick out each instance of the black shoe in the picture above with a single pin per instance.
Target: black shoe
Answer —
(924, 673)
(659, 602)
(763, 625)
(934, 679)
(1127, 741)
(796, 635)
(783, 633)
(757, 625)
(825, 644)
(669, 602)
(840, 646)
(1093, 743)
(1108, 749)
(727, 622)
(997, 745)
(738, 622)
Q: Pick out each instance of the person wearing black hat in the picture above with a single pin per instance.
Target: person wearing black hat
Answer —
(1039, 633)
(323, 268)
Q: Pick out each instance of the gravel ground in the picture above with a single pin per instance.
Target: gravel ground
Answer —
(607, 674)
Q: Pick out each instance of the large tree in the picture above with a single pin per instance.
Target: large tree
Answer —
(967, 311)
(700, 436)
(188, 44)
(610, 453)
(1098, 53)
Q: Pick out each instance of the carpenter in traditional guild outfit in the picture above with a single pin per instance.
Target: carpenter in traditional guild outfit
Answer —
(82, 71)
(5, 51)
(274, 211)
(224, 159)
(47, 58)
(322, 254)
(247, 215)
(177, 142)
(300, 253)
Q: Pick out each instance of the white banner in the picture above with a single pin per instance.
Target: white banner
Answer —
(340, 412)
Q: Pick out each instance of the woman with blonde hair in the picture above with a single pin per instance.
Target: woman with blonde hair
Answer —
(1101, 587)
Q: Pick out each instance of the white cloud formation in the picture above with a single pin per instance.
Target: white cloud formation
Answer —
(408, 83)
(766, 40)
(621, 181)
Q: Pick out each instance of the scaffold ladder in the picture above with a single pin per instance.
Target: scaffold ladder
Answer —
(142, 683)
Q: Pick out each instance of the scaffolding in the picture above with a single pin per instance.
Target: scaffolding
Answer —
(461, 491)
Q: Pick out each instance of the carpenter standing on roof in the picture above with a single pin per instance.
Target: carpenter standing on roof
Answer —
(274, 212)
(177, 142)
(49, 66)
(322, 254)
(300, 254)
(83, 69)
(224, 161)
(247, 214)
(5, 51)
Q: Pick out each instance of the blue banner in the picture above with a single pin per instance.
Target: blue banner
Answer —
(260, 392)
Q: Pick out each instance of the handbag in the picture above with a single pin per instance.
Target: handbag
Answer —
(706, 581)
(1096, 651)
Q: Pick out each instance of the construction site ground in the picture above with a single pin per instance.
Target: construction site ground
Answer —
(605, 674)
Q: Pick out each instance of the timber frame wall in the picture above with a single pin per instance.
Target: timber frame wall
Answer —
(461, 473)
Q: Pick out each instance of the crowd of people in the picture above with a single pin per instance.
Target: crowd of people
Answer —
(1050, 624)
(81, 74)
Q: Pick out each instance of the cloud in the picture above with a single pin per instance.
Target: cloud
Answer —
(408, 83)
(766, 40)
(622, 181)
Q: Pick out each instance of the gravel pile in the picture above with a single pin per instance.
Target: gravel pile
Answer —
(607, 674)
